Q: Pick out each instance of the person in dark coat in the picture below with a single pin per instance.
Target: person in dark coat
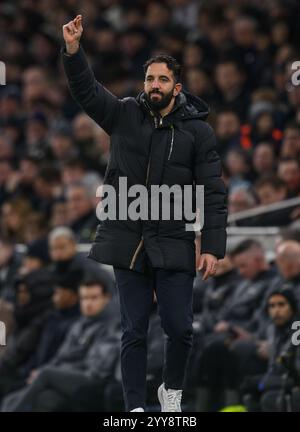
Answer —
(86, 358)
(235, 331)
(158, 138)
(32, 309)
(10, 262)
(268, 392)
(66, 312)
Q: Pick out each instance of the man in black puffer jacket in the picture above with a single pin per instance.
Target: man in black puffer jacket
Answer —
(158, 138)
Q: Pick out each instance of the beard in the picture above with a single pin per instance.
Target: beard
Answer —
(158, 104)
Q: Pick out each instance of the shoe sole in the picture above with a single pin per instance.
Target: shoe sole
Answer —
(160, 398)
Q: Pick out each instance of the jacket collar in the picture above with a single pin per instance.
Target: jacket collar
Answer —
(187, 106)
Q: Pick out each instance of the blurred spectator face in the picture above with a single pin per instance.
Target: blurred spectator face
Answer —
(9, 106)
(34, 84)
(64, 298)
(5, 171)
(79, 202)
(289, 172)
(244, 32)
(6, 252)
(60, 214)
(291, 143)
(6, 149)
(28, 170)
(269, 195)
(133, 16)
(72, 174)
(36, 131)
(105, 40)
(62, 146)
(264, 123)
(30, 264)
(92, 300)
(62, 249)
(280, 33)
(41, 48)
(43, 188)
(228, 77)
(192, 56)
(23, 295)
(263, 158)
(14, 215)
(131, 43)
(240, 200)
(294, 96)
(197, 81)
(228, 125)
(236, 163)
(157, 16)
(249, 263)
(37, 227)
(279, 310)
(218, 34)
(288, 258)
(83, 127)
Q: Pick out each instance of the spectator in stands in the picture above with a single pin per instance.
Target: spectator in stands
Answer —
(239, 167)
(268, 392)
(65, 313)
(47, 187)
(288, 263)
(227, 131)
(65, 258)
(87, 357)
(13, 221)
(33, 304)
(218, 293)
(237, 321)
(63, 250)
(240, 199)
(271, 190)
(291, 141)
(10, 262)
(289, 171)
(230, 81)
(36, 257)
(264, 160)
(84, 221)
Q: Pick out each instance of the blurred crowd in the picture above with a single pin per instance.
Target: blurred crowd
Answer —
(60, 309)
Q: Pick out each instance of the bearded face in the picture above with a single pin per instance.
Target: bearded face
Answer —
(160, 86)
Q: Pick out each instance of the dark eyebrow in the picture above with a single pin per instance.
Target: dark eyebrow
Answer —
(160, 76)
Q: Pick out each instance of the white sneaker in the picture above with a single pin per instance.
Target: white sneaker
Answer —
(170, 400)
(138, 410)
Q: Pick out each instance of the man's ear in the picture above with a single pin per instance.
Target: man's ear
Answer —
(177, 89)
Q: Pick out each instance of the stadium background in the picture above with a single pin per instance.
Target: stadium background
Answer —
(237, 56)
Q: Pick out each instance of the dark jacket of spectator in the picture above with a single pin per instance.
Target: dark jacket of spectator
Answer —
(29, 320)
(54, 332)
(247, 298)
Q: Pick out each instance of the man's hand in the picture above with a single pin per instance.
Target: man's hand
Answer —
(221, 327)
(208, 263)
(263, 349)
(32, 376)
(72, 33)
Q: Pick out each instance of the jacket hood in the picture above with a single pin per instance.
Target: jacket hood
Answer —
(187, 106)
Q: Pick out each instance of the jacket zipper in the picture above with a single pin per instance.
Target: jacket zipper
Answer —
(172, 142)
(133, 260)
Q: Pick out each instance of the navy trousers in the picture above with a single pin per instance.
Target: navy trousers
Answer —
(174, 294)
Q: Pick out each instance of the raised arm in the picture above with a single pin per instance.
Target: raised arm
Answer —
(101, 105)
